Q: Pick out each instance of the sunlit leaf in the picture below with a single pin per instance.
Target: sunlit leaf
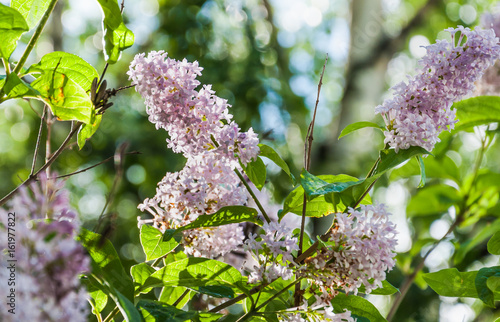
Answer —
(140, 274)
(154, 311)
(12, 26)
(451, 282)
(153, 244)
(479, 110)
(357, 126)
(494, 244)
(88, 130)
(72, 66)
(32, 10)
(117, 36)
(15, 87)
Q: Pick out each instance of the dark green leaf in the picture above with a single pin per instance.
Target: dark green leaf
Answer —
(494, 244)
(270, 153)
(386, 289)
(216, 291)
(224, 216)
(12, 26)
(117, 36)
(390, 159)
(32, 10)
(87, 130)
(485, 293)
(127, 308)
(154, 311)
(15, 87)
(140, 274)
(477, 111)
(195, 272)
(359, 125)
(314, 186)
(478, 238)
(256, 172)
(67, 100)
(358, 307)
(451, 282)
(433, 200)
(153, 244)
(105, 262)
(72, 66)
(322, 205)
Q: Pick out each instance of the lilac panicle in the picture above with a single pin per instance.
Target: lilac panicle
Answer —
(49, 259)
(489, 84)
(201, 128)
(421, 109)
(361, 252)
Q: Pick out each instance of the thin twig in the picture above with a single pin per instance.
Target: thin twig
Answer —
(307, 164)
(93, 166)
(38, 139)
(254, 197)
(45, 166)
(181, 297)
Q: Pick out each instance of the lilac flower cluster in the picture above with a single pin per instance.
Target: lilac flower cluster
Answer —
(317, 313)
(359, 252)
(489, 84)
(273, 252)
(200, 127)
(421, 109)
(49, 260)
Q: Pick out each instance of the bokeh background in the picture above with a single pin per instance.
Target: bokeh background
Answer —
(265, 58)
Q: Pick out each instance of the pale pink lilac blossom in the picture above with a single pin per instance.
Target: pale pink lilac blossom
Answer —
(359, 252)
(421, 109)
(272, 250)
(316, 313)
(489, 84)
(49, 259)
(200, 127)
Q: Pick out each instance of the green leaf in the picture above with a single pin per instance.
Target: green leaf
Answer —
(153, 311)
(321, 205)
(140, 274)
(270, 153)
(105, 262)
(477, 111)
(153, 244)
(195, 272)
(12, 26)
(100, 297)
(32, 10)
(359, 125)
(422, 171)
(443, 167)
(433, 200)
(127, 308)
(358, 306)
(219, 291)
(224, 216)
(87, 130)
(494, 244)
(451, 282)
(67, 100)
(386, 289)
(72, 66)
(390, 159)
(15, 87)
(170, 295)
(117, 36)
(480, 237)
(485, 293)
(256, 172)
(314, 186)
